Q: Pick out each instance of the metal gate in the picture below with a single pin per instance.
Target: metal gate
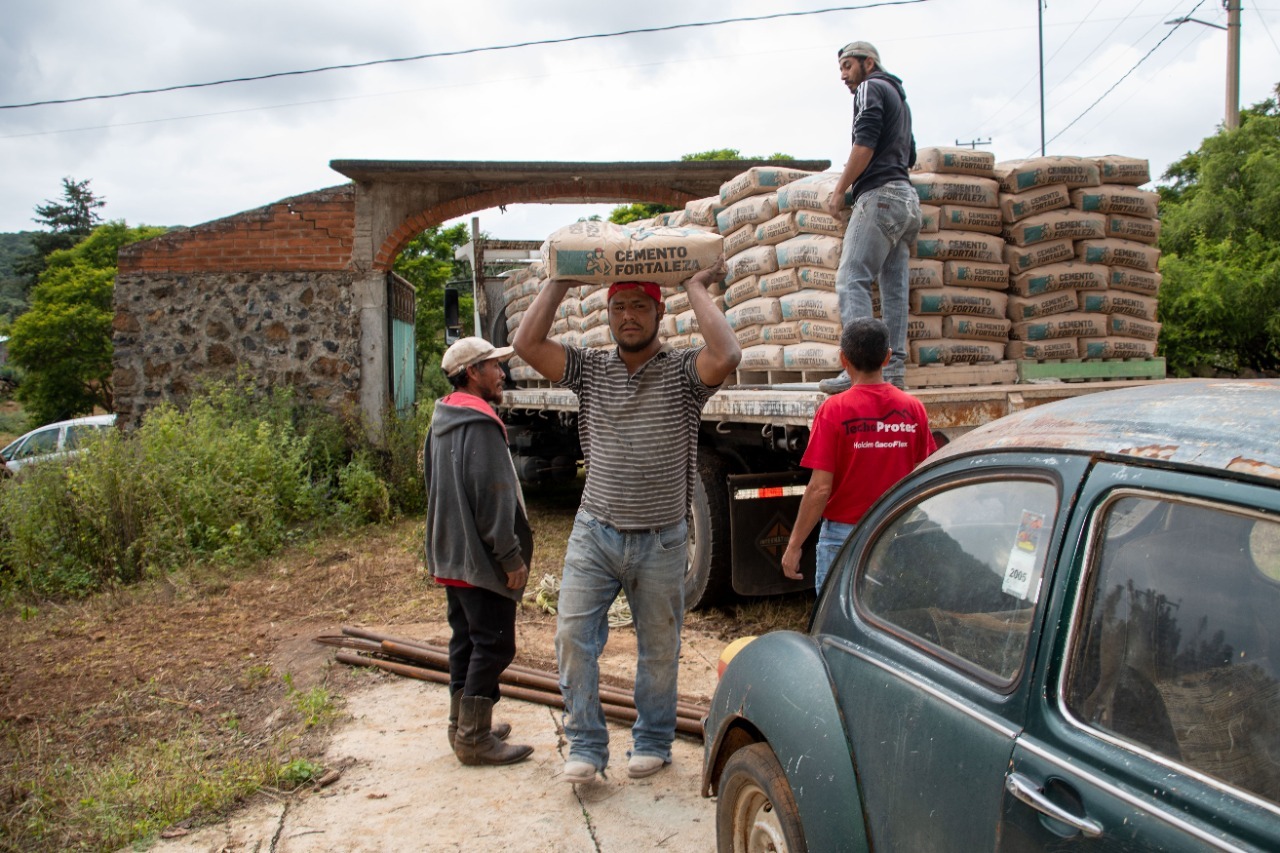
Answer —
(402, 343)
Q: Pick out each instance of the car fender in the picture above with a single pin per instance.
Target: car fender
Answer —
(777, 690)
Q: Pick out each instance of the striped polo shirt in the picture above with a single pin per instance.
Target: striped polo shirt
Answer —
(639, 434)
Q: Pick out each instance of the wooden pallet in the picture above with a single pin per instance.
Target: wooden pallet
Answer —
(955, 375)
(783, 377)
(1090, 369)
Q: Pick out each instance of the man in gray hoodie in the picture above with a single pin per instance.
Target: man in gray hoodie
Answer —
(886, 208)
(479, 545)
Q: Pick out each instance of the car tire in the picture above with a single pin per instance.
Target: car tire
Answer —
(755, 811)
(708, 577)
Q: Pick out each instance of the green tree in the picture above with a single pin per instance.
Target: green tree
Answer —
(68, 221)
(1220, 221)
(63, 342)
(428, 263)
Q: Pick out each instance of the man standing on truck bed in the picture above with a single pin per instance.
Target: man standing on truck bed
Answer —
(863, 441)
(886, 208)
(639, 408)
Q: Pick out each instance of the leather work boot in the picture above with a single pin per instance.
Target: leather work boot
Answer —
(475, 744)
(499, 730)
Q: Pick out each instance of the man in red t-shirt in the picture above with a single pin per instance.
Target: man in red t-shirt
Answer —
(863, 441)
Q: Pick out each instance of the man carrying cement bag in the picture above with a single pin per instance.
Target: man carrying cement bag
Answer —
(639, 406)
(886, 209)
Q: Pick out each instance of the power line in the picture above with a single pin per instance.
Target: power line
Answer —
(464, 52)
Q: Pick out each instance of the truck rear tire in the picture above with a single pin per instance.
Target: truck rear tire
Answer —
(709, 575)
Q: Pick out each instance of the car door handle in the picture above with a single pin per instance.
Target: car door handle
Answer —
(1033, 795)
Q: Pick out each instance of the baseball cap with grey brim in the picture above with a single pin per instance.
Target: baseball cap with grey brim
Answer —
(861, 50)
(471, 350)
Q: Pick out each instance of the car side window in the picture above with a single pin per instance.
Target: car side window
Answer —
(1178, 650)
(961, 568)
(79, 434)
(44, 441)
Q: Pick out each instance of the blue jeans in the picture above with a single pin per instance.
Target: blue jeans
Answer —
(877, 248)
(649, 567)
(831, 536)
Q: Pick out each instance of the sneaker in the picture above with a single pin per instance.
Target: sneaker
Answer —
(836, 384)
(577, 772)
(641, 766)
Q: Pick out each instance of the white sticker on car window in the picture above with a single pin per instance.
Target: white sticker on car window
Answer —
(1021, 568)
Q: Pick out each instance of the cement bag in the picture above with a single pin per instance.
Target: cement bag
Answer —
(677, 218)
(810, 250)
(1074, 325)
(1017, 176)
(975, 274)
(1058, 348)
(759, 180)
(1116, 198)
(1117, 169)
(559, 327)
(1057, 225)
(924, 328)
(817, 278)
(740, 240)
(1020, 259)
(596, 300)
(1133, 228)
(966, 301)
(594, 319)
(977, 328)
(600, 336)
(1023, 308)
(810, 305)
(813, 222)
(761, 310)
(1114, 347)
(1121, 253)
(819, 331)
(602, 253)
(779, 228)
(780, 283)
(667, 325)
(570, 306)
(576, 322)
(948, 351)
(958, 217)
(1095, 302)
(518, 305)
(811, 356)
(927, 274)
(1017, 206)
(761, 357)
(1135, 281)
(686, 322)
(742, 290)
(514, 320)
(1132, 327)
(934, 188)
(781, 334)
(702, 211)
(1064, 276)
(961, 246)
(1133, 305)
(955, 161)
(688, 341)
(811, 193)
(749, 336)
(677, 301)
(930, 218)
(749, 211)
(754, 261)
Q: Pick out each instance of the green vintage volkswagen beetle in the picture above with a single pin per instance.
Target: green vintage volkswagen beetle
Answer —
(1062, 632)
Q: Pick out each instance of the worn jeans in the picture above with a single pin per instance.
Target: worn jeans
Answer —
(877, 248)
(831, 536)
(649, 567)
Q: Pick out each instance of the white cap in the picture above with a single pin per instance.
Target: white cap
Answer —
(468, 351)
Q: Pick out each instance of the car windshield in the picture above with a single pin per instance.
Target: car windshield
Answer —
(38, 443)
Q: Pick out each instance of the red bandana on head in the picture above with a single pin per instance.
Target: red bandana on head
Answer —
(652, 290)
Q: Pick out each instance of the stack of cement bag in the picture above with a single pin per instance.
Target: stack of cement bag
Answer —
(1081, 252)
(958, 274)
(781, 251)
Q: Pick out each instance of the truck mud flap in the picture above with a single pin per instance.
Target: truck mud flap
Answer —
(762, 511)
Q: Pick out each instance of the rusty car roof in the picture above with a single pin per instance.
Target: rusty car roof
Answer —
(1224, 424)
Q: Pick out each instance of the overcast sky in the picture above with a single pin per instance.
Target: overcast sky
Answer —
(970, 68)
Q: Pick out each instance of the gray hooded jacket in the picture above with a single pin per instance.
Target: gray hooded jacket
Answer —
(477, 527)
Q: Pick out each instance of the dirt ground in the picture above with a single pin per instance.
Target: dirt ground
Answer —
(212, 649)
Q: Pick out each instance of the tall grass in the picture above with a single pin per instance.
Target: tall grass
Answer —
(231, 477)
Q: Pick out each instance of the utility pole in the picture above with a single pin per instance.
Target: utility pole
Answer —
(1040, 21)
(1233, 63)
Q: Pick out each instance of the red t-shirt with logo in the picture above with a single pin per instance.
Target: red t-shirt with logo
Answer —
(869, 438)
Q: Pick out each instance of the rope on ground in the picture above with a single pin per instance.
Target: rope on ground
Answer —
(546, 597)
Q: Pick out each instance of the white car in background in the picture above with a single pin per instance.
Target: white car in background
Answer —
(54, 440)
